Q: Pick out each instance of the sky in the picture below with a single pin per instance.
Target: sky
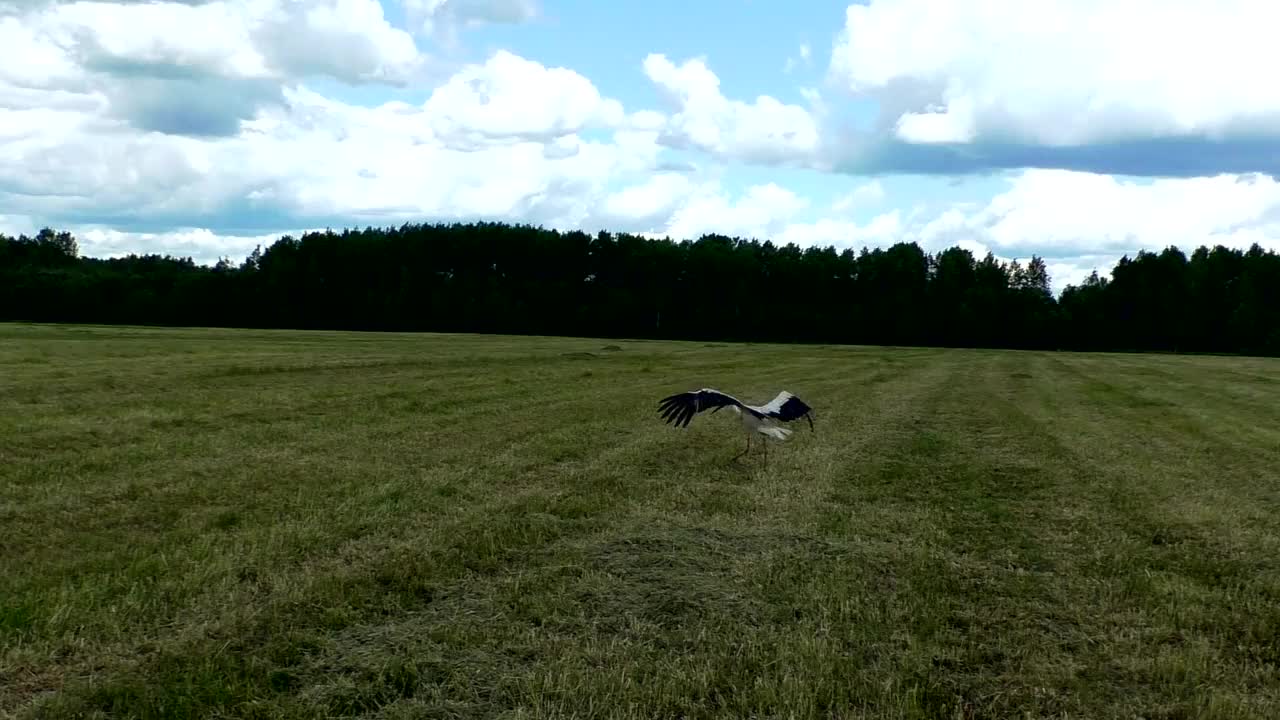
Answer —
(1076, 130)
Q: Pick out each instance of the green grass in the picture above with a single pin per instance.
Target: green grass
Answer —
(308, 524)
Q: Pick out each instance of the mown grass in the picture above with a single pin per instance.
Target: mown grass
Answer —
(306, 524)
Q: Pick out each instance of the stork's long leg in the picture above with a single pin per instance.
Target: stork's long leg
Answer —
(744, 452)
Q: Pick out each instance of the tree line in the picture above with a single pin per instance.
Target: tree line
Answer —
(519, 279)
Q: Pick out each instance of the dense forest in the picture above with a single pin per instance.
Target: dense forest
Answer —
(497, 278)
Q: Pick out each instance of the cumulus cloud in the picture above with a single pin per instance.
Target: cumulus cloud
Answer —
(761, 212)
(195, 69)
(1129, 86)
(1081, 221)
(200, 244)
(1061, 213)
(646, 205)
(350, 40)
(443, 18)
(865, 195)
(764, 131)
(509, 98)
(313, 160)
(1076, 221)
(803, 58)
(881, 231)
(387, 163)
(146, 117)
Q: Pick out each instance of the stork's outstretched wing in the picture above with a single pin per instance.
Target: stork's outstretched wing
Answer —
(787, 407)
(681, 407)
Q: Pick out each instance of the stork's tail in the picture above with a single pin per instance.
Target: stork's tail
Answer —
(780, 433)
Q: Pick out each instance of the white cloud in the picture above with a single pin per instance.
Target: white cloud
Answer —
(386, 162)
(349, 40)
(201, 245)
(74, 165)
(648, 204)
(762, 212)
(866, 194)
(45, 63)
(1070, 212)
(1081, 221)
(766, 131)
(1063, 72)
(1077, 221)
(804, 58)
(197, 70)
(446, 17)
(498, 140)
(881, 231)
(511, 98)
(215, 38)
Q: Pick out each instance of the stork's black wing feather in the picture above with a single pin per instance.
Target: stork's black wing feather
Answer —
(787, 407)
(680, 408)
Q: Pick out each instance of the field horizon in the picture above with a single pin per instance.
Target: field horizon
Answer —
(319, 523)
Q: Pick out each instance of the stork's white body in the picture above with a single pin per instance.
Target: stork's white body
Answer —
(758, 422)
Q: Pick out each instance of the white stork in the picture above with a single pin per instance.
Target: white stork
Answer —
(680, 408)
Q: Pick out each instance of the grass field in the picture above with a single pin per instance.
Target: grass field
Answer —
(298, 524)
